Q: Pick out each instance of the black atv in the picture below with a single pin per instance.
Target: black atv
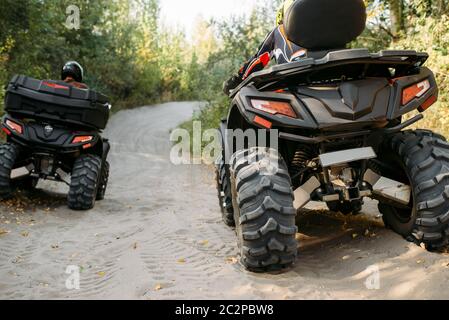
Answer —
(336, 121)
(54, 132)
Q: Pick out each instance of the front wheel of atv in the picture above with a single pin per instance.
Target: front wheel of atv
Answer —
(8, 155)
(422, 161)
(263, 210)
(84, 182)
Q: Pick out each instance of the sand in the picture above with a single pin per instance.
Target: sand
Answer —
(158, 235)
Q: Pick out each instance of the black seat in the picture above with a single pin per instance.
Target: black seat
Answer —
(324, 25)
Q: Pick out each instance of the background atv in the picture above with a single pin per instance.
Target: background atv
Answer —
(53, 132)
(338, 117)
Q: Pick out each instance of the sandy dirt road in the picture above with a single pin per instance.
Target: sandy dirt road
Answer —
(159, 235)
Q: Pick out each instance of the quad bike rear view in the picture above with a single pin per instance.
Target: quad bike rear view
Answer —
(340, 118)
(53, 132)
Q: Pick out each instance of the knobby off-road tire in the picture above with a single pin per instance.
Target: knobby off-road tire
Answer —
(424, 157)
(263, 210)
(8, 155)
(84, 182)
(103, 185)
(224, 192)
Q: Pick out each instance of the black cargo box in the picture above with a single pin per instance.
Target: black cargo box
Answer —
(56, 101)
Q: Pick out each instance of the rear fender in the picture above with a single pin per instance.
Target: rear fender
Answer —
(36, 136)
(396, 108)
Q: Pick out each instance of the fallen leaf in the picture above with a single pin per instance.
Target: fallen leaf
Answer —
(231, 260)
(55, 246)
(420, 261)
(135, 245)
(345, 258)
(158, 287)
(182, 260)
(354, 235)
(366, 233)
(3, 231)
(25, 233)
(101, 273)
(17, 259)
(205, 242)
(423, 245)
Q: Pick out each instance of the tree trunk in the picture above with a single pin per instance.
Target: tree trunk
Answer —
(397, 21)
(441, 7)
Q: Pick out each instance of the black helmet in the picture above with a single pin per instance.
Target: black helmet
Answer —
(72, 69)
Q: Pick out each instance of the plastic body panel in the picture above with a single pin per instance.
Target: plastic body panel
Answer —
(339, 106)
(59, 139)
(399, 84)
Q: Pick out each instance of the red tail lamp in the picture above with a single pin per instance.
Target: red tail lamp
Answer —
(14, 126)
(82, 139)
(415, 91)
(274, 107)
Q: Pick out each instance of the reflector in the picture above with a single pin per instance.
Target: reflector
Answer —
(428, 103)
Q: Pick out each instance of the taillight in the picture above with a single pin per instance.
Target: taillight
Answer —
(274, 107)
(82, 139)
(14, 126)
(415, 91)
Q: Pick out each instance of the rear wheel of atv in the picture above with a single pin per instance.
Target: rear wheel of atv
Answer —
(224, 192)
(103, 181)
(8, 155)
(421, 159)
(263, 210)
(84, 182)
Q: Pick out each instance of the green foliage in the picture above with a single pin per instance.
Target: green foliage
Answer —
(238, 39)
(431, 35)
(119, 43)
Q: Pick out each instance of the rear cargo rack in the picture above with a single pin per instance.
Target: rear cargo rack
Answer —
(341, 65)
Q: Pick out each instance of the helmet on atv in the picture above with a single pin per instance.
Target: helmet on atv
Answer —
(74, 70)
(282, 11)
